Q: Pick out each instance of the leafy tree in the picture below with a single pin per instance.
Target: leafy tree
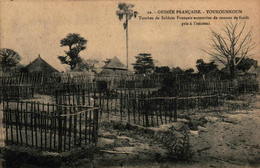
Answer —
(231, 46)
(107, 61)
(205, 68)
(87, 65)
(162, 69)
(76, 44)
(144, 63)
(8, 58)
(82, 65)
(246, 64)
(126, 12)
(92, 62)
(189, 71)
(177, 70)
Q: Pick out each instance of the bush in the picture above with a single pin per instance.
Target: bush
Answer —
(101, 86)
(177, 143)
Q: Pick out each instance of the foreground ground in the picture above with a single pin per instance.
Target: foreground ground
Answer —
(228, 139)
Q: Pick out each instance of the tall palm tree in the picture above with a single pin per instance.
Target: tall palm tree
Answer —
(126, 12)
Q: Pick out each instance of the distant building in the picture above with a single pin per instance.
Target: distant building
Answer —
(114, 67)
(258, 73)
(40, 65)
(254, 70)
(113, 72)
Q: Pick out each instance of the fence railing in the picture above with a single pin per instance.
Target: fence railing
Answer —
(15, 92)
(48, 83)
(139, 106)
(50, 127)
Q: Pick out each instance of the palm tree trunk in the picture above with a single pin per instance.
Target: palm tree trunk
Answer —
(126, 35)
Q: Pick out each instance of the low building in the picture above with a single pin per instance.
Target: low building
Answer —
(39, 65)
(113, 72)
(113, 67)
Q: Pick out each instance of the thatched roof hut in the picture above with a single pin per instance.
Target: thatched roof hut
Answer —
(114, 67)
(40, 65)
(113, 72)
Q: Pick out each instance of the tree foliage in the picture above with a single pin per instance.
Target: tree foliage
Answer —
(204, 67)
(125, 11)
(76, 44)
(144, 63)
(231, 46)
(8, 58)
(162, 69)
(189, 71)
(246, 64)
(177, 70)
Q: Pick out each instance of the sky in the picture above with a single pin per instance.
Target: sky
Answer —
(36, 27)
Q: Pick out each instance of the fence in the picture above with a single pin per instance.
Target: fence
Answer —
(43, 78)
(132, 80)
(77, 77)
(26, 78)
(183, 84)
(50, 127)
(248, 85)
(14, 92)
(201, 87)
(142, 107)
(47, 83)
(173, 87)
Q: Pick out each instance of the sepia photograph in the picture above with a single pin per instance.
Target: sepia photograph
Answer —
(129, 84)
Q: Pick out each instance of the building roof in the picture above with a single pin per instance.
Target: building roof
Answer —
(114, 64)
(40, 65)
(114, 72)
(226, 70)
(254, 70)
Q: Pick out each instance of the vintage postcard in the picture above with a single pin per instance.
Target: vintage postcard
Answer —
(133, 84)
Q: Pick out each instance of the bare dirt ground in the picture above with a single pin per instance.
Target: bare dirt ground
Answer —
(230, 139)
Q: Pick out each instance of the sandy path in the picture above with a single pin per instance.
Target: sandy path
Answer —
(234, 138)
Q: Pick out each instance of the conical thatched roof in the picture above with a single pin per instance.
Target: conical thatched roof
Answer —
(40, 65)
(115, 64)
(114, 67)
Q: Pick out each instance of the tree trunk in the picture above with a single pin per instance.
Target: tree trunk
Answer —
(72, 66)
(232, 71)
(203, 77)
(126, 34)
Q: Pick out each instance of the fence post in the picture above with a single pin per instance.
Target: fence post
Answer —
(175, 109)
(5, 120)
(95, 120)
(58, 116)
(121, 104)
(59, 130)
(218, 103)
(146, 106)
